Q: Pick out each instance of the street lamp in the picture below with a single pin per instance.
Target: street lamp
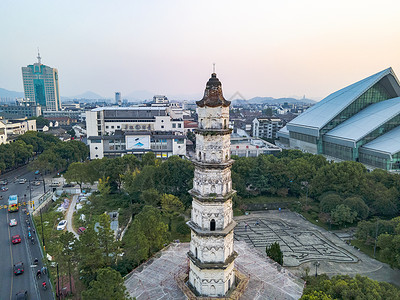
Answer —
(316, 264)
(305, 183)
(41, 222)
(30, 194)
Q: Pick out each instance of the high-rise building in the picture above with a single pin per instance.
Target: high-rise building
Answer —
(118, 98)
(41, 85)
(211, 251)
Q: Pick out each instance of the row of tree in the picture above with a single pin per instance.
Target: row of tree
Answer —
(293, 173)
(173, 176)
(53, 154)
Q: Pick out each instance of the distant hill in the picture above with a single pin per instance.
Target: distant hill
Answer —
(271, 101)
(10, 94)
(138, 95)
(88, 95)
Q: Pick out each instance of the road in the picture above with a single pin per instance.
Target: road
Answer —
(24, 252)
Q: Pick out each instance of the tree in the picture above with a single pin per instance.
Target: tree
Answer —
(329, 202)
(171, 205)
(343, 214)
(108, 244)
(40, 121)
(358, 205)
(176, 176)
(149, 159)
(316, 295)
(345, 178)
(109, 285)
(151, 197)
(90, 254)
(104, 186)
(77, 172)
(67, 256)
(275, 253)
(148, 222)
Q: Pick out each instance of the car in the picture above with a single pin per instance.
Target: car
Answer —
(19, 268)
(4, 189)
(21, 295)
(36, 183)
(37, 172)
(4, 182)
(62, 224)
(16, 239)
(13, 222)
(81, 230)
(22, 180)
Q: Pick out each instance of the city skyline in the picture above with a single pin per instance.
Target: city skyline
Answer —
(286, 49)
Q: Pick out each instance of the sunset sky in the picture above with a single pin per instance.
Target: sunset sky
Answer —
(261, 48)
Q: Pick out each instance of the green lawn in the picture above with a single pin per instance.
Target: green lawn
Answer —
(369, 250)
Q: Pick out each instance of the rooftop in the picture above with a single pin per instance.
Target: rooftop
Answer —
(324, 111)
(387, 143)
(367, 120)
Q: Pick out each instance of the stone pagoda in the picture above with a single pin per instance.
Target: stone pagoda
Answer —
(211, 247)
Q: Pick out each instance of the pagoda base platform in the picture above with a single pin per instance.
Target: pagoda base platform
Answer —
(164, 276)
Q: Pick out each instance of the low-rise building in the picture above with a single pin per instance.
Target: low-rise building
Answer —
(266, 127)
(251, 147)
(20, 110)
(111, 130)
(163, 144)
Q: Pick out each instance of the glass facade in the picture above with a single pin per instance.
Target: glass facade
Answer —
(375, 94)
(338, 151)
(303, 137)
(374, 161)
(389, 125)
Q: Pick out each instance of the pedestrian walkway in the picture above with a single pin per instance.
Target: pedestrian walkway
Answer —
(70, 213)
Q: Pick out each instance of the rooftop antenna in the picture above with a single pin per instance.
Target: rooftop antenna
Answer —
(213, 67)
(38, 57)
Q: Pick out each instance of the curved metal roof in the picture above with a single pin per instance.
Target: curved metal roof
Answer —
(366, 120)
(324, 111)
(387, 143)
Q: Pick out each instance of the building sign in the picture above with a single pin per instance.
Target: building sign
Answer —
(138, 142)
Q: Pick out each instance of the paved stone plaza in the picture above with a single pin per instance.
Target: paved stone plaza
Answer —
(157, 278)
(303, 244)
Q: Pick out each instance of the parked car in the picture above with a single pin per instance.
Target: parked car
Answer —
(4, 189)
(22, 180)
(19, 268)
(13, 222)
(4, 182)
(62, 224)
(21, 295)
(81, 230)
(16, 239)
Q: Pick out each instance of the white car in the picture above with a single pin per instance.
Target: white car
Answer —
(62, 225)
(13, 222)
(22, 181)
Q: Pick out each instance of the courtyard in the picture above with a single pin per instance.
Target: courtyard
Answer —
(308, 248)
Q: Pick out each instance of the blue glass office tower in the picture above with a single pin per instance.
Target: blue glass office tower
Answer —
(41, 85)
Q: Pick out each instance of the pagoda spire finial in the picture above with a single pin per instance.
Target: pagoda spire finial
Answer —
(38, 57)
(213, 67)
